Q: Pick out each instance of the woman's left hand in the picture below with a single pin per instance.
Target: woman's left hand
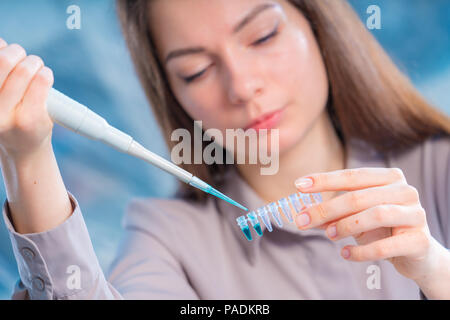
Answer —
(381, 211)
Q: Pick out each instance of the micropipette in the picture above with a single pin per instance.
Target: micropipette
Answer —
(78, 118)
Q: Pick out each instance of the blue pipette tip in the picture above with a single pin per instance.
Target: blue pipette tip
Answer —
(196, 182)
(224, 197)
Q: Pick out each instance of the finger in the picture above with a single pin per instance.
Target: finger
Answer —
(2, 43)
(356, 201)
(349, 179)
(10, 56)
(412, 244)
(19, 80)
(34, 101)
(376, 217)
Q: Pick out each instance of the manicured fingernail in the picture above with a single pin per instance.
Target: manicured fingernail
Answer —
(346, 253)
(303, 183)
(303, 220)
(331, 231)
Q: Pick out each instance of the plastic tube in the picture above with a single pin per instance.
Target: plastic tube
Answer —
(297, 202)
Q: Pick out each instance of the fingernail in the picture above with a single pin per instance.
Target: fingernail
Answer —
(346, 253)
(303, 183)
(331, 231)
(46, 72)
(303, 220)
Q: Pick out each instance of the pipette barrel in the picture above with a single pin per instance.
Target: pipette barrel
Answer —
(76, 117)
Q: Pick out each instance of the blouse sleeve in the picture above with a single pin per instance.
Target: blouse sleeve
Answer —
(59, 263)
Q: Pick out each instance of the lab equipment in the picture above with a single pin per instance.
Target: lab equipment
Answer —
(80, 119)
(298, 201)
(242, 222)
(253, 218)
(263, 214)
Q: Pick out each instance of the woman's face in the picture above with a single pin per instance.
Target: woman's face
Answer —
(242, 64)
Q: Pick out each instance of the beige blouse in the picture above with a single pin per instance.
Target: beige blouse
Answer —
(173, 249)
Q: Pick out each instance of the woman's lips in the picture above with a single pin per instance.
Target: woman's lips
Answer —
(267, 121)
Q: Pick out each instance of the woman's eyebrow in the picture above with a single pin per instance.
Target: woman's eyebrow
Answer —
(249, 17)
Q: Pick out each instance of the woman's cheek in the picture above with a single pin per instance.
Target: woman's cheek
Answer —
(302, 77)
(195, 102)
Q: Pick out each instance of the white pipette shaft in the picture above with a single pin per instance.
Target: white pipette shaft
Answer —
(80, 119)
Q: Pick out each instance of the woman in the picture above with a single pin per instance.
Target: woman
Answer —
(350, 126)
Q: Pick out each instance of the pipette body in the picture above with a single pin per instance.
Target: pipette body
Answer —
(76, 117)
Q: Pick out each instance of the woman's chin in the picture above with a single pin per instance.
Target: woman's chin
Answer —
(277, 146)
(288, 139)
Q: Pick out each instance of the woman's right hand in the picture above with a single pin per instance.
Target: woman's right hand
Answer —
(37, 197)
(25, 125)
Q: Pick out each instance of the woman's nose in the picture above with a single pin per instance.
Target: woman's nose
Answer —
(244, 89)
(244, 82)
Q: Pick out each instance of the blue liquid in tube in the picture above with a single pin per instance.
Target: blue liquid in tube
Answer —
(264, 215)
(253, 218)
(242, 222)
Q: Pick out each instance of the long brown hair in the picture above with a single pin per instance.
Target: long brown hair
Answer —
(369, 99)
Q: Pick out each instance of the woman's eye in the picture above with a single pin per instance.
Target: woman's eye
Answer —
(257, 42)
(193, 77)
(264, 39)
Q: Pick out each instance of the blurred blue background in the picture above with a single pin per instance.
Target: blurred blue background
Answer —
(92, 65)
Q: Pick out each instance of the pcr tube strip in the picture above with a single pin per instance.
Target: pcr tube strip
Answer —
(298, 201)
